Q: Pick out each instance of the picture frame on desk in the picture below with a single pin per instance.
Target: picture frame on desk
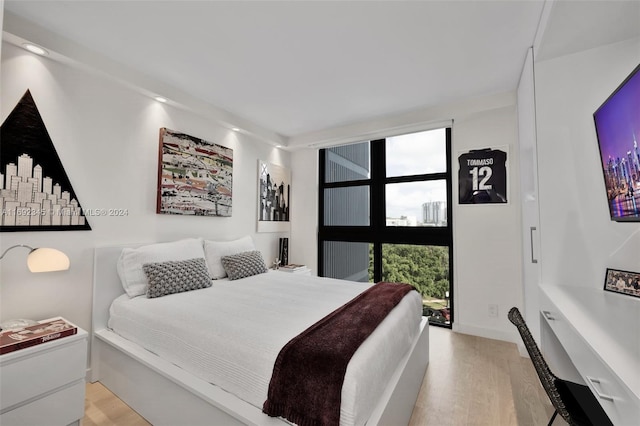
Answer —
(623, 282)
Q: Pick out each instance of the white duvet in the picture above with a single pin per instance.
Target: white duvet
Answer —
(231, 333)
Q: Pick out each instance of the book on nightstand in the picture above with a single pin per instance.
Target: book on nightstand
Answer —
(293, 268)
(45, 331)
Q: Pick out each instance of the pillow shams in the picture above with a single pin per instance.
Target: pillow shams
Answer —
(215, 250)
(244, 264)
(176, 276)
(130, 262)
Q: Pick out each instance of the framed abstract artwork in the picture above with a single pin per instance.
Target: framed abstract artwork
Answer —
(274, 197)
(194, 176)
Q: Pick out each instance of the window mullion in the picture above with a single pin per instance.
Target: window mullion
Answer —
(377, 262)
(321, 189)
(377, 199)
(378, 203)
(418, 178)
(449, 188)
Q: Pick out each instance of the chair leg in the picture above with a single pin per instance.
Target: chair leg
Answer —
(555, 413)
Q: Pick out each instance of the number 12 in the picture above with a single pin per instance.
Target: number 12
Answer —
(484, 173)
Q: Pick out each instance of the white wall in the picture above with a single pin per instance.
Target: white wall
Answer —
(303, 246)
(487, 242)
(578, 240)
(488, 260)
(106, 135)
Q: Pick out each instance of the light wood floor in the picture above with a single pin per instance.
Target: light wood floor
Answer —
(470, 381)
(102, 408)
(476, 381)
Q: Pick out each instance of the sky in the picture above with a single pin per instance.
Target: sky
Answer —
(415, 153)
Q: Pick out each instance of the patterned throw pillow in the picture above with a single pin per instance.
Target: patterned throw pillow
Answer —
(176, 276)
(214, 251)
(244, 264)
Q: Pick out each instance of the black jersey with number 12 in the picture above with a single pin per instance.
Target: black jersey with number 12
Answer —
(482, 177)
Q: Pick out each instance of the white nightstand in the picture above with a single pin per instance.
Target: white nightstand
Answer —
(44, 384)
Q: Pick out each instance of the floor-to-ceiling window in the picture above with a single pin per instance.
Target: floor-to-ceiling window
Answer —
(385, 216)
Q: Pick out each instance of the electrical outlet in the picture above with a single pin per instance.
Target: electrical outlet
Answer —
(493, 310)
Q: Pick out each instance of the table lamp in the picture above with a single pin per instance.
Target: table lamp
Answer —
(43, 259)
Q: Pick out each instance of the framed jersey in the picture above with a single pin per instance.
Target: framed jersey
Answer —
(482, 176)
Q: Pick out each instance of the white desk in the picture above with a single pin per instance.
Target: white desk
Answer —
(595, 335)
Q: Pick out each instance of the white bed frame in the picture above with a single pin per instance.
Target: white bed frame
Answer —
(165, 394)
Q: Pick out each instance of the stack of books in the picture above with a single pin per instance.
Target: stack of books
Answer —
(294, 268)
(45, 331)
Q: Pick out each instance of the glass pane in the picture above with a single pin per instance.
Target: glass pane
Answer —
(427, 269)
(347, 162)
(346, 206)
(417, 153)
(345, 260)
(416, 203)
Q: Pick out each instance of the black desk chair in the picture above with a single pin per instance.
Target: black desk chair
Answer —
(575, 402)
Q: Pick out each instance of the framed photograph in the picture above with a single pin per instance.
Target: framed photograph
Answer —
(624, 282)
(194, 176)
(274, 196)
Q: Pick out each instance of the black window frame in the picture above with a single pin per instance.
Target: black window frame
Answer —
(377, 232)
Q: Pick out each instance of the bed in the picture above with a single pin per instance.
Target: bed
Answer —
(168, 390)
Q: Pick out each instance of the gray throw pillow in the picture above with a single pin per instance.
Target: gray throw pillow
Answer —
(244, 264)
(176, 276)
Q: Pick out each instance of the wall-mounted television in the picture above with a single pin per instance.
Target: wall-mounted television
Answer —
(618, 132)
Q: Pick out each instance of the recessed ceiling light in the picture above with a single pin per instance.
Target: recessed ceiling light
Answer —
(35, 49)
(160, 99)
(235, 129)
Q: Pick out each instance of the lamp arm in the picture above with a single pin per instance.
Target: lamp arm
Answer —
(16, 246)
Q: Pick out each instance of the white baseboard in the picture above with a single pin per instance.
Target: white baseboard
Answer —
(487, 333)
(493, 334)
(523, 350)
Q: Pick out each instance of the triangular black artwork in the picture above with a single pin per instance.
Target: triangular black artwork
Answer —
(35, 192)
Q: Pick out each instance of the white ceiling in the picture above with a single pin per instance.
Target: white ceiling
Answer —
(298, 67)
(577, 25)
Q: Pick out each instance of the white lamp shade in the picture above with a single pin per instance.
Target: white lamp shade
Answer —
(47, 260)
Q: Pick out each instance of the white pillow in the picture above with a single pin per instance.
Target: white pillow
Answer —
(214, 251)
(134, 281)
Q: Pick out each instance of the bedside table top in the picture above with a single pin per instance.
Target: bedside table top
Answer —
(24, 352)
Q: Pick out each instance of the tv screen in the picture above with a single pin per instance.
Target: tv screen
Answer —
(618, 131)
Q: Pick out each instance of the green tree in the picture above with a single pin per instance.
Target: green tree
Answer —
(425, 267)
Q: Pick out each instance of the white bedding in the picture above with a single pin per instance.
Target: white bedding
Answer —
(231, 333)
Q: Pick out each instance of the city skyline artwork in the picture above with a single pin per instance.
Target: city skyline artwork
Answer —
(35, 191)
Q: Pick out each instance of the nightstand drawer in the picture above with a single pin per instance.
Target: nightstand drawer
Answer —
(59, 408)
(34, 371)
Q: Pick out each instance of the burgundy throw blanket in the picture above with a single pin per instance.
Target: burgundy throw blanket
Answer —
(306, 384)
